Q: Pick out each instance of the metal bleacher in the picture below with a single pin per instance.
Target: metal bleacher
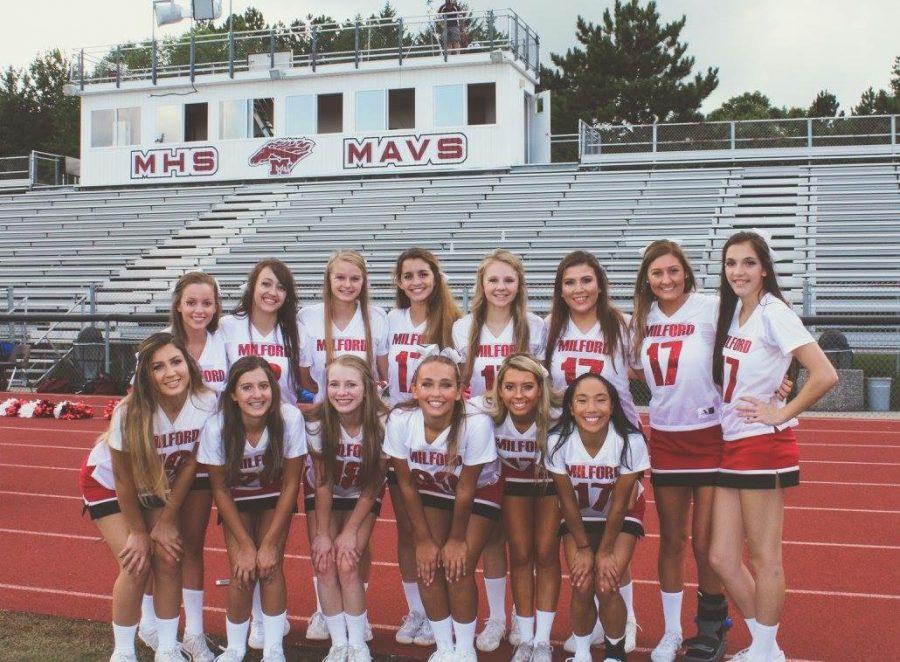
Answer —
(836, 229)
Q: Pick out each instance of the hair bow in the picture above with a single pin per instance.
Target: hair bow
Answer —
(427, 351)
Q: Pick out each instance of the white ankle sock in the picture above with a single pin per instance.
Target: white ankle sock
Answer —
(257, 612)
(413, 597)
(627, 593)
(237, 636)
(148, 613)
(167, 630)
(543, 623)
(273, 631)
(671, 604)
(526, 627)
(337, 628)
(356, 629)
(123, 638)
(465, 636)
(193, 611)
(443, 633)
(495, 587)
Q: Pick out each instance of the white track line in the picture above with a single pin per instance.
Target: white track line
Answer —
(389, 564)
(850, 446)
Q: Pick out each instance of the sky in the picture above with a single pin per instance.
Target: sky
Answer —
(788, 49)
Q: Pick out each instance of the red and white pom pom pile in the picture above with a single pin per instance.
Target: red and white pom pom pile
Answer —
(65, 410)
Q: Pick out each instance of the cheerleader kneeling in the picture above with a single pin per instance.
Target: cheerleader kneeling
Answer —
(597, 459)
(254, 450)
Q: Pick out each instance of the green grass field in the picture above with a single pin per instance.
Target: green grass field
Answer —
(39, 638)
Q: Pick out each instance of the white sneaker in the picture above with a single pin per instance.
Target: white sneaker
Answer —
(596, 638)
(489, 638)
(443, 655)
(121, 656)
(317, 630)
(543, 652)
(779, 656)
(424, 637)
(515, 637)
(337, 654)
(631, 628)
(229, 655)
(358, 654)
(257, 639)
(524, 653)
(583, 658)
(149, 636)
(170, 655)
(274, 655)
(412, 622)
(368, 636)
(470, 656)
(667, 648)
(194, 646)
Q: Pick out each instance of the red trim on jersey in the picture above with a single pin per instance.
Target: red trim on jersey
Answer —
(91, 491)
(685, 450)
(519, 476)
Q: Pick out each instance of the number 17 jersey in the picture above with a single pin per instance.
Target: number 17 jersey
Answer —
(676, 356)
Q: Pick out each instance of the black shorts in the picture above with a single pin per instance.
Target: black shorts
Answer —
(597, 527)
(255, 505)
(111, 507)
(343, 504)
(201, 482)
(534, 489)
(483, 509)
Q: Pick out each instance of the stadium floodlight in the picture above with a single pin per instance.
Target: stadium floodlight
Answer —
(206, 10)
(166, 12)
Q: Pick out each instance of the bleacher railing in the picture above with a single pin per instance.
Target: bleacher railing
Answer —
(36, 169)
(201, 52)
(596, 141)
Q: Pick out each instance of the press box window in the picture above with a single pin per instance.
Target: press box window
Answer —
(371, 114)
(449, 105)
(247, 118)
(482, 103)
(196, 122)
(402, 108)
(300, 115)
(168, 124)
(330, 113)
(115, 127)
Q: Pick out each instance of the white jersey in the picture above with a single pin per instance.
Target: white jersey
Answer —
(577, 353)
(349, 461)
(404, 439)
(756, 358)
(242, 339)
(213, 361)
(349, 340)
(175, 440)
(403, 356)
(249, 486)
(493, 349)
(595, 477)
(677, 359)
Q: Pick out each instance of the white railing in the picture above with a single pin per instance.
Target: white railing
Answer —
(832, 134)
(196, 54)
(36, 169)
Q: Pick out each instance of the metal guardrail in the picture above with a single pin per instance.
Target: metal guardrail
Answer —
(201, 53)
(596, 141)
(35, 169)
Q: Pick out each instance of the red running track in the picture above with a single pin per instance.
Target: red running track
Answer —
(841, 552)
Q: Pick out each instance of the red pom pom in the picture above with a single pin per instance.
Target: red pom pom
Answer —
(109, 408)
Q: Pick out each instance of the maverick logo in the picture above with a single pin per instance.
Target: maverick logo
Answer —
(282, 155)
(167, 162)
(400, 151)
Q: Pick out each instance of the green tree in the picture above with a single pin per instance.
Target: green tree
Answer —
(752, 106)
(883, 102)
(825, 105)
(628, 68)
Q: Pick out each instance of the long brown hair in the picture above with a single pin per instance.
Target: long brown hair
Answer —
(611, 319)
(643, 295)
(479, 307)
(326, 421)
(176, 323)
(442, 308)
(138, 409)
(543, 418)
(234, 435)
(459, 407)
(287, 314)
(354, 258)
(728, 299)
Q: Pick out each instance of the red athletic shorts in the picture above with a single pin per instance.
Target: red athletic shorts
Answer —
(765, 461)
(687, 458)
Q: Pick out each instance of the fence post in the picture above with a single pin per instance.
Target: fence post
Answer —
(153, 62)
(733, 141)
(118, 67)
(81, 69)
(92, 298)
(31, 170)
(230, 50)
(10, 304)
(56, 173)
(490, 18)
(446, 36)
(893, 129)
(315, 46)
(193, 56)
(809, 140)
(272, 49)
(356, 45)
(807, 297)
(654, 137)
(527, 45)
(400, 41)
(537, 53)
(106, 347)
(516, 37)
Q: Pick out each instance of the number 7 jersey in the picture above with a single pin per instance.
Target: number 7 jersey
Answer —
(676, 356)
